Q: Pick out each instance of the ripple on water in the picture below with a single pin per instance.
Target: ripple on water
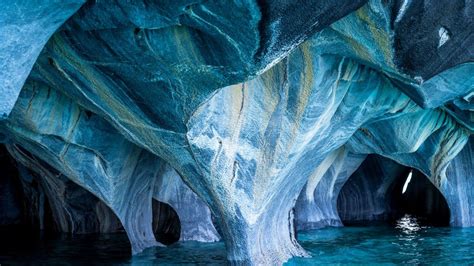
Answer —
(405, 243)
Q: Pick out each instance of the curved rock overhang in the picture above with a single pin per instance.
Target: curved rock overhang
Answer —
(25, 27)
(383, 191)
(36, 196)
(119, 89)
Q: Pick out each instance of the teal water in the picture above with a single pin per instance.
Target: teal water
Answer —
(405, 243)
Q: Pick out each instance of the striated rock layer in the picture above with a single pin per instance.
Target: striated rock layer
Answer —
(194, 215)
(25, 27)
(232, 112)
(316, 206)
(458, 189)
(382, 190)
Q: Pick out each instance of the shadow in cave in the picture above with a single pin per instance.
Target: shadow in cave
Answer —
(31, 230)
(420, 198)
(12, 206)
(166, 224)
(382, 191)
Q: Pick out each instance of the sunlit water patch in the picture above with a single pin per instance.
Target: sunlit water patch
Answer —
(406, 242)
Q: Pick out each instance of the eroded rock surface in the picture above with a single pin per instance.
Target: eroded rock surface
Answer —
(232, 111)
(84, 147)
(194, 215)
(25, 27)
(316, 207)
(458, 187)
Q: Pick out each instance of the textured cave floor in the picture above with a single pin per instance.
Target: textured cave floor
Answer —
(383, 243)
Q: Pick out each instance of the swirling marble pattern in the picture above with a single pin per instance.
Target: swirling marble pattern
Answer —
(316, 207)
(194, 215)
(250, 102)
(458, 187)
(25, 27)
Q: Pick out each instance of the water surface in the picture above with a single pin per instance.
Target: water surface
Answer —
(405, 243)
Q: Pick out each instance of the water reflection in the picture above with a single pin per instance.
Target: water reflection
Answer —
(409, 239)
(409, 225)
(405, 243)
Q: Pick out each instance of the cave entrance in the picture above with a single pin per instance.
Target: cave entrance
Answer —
(416, 196)
(166, 223)
(383, 191)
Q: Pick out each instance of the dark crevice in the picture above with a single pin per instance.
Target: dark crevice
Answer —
(421, 200)
(47, 199)
(166, 224)
(373, 195)
(12, 207)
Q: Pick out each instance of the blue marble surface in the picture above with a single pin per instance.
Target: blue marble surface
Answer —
(249, 102)
(25, 27)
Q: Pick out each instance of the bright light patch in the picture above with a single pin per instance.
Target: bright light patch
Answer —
(443, 36)
(405, 186)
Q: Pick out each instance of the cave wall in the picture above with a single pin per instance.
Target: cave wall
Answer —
(458, 186)
(84, 148)
(366, 196)
(12, 207)
(316, 207)
(47, 200)
(75, 155)
(56, 204)
(250, 102)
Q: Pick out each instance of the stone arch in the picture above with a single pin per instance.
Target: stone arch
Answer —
(194, 215)
(166, 223)
(383, 190)
(37, 197)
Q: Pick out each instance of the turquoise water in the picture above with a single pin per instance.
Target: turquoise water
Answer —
(405, 243)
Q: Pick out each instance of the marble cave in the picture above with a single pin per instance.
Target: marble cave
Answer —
(241, 132)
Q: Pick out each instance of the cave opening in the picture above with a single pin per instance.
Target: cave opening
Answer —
(382, 191)
(166, 223)
(19, 230)
(417, 196)
(52, 204)
(35, 208)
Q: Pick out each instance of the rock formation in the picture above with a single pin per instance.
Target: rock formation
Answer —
(459, 187)
(316, 207)
(366, 196)
(232, 112)
(73, 209)
(25, 27)
(194, 215)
